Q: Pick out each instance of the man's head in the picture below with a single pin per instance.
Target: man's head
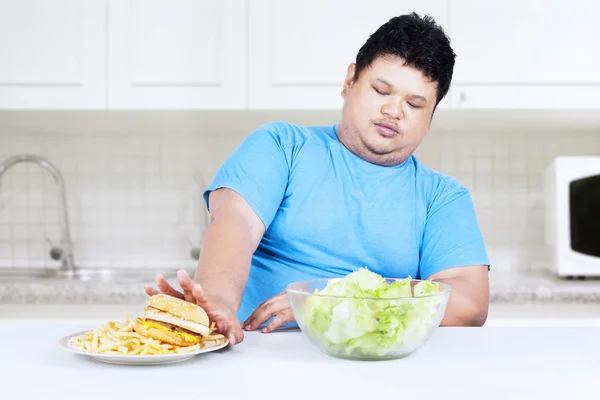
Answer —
(390, 93)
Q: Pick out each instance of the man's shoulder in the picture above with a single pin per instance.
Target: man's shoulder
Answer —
(287, 133)
(434, 177)
(436, 185)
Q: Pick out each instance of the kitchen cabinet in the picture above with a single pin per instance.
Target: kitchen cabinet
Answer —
(299, 51)
(53, 54)
(525, 53)
(273, 54)
(189, 54)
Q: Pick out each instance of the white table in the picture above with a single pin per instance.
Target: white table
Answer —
(457, 363)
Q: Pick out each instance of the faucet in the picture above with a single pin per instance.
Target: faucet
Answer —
(64, 253)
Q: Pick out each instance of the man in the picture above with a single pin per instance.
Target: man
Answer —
(294, 203)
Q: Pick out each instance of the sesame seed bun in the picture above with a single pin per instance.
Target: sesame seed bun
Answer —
(179, 308)
(173, 320)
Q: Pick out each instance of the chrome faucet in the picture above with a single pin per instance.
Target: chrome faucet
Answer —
(64, 252)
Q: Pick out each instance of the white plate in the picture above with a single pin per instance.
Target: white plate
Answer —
(130, 359)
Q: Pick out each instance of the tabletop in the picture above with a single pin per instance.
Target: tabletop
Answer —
(462, 363)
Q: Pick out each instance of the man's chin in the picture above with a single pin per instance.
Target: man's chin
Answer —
(383, 155)
(380, 147)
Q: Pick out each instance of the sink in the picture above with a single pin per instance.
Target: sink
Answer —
(102, 275)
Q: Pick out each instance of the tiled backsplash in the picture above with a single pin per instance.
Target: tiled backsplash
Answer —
(501, 159)
(134, 189)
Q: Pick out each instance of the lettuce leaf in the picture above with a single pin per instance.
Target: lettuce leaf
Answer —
(366, 327)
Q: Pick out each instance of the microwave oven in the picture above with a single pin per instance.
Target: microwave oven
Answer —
(572, 215)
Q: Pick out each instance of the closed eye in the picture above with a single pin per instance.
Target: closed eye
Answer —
(413, 105)
(379, 91)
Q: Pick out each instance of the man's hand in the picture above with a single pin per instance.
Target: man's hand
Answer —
(225, 320)
(278, 307)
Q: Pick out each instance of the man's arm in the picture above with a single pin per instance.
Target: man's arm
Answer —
(231, 238)
(469, 297)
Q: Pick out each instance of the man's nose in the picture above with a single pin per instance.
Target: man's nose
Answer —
(393, 108)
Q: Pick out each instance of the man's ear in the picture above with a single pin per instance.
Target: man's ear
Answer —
(349, 81)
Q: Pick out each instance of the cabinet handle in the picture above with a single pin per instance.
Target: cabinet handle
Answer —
(463, 97)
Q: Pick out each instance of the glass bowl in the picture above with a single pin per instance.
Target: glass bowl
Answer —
(366, 328)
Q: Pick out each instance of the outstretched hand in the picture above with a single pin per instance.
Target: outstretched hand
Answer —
(225, 320)
(278, 307)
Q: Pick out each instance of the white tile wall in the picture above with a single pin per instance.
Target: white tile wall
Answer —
(130, 179)
(128, 195)
(500, 156)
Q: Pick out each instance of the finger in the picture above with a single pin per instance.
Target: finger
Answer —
(231, 330)
(187, 284)
(281, 318)
(165, 288)
(199, 295)
(150, 291)
(266, 311)
(264, 305)
(236, 333)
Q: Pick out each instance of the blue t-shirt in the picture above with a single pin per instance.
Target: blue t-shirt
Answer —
(327, 212)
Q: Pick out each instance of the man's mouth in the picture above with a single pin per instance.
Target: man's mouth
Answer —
(386, 130)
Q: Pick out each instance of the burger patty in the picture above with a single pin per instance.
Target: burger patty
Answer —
(173, 327)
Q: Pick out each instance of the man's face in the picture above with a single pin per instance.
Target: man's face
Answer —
(387, 111)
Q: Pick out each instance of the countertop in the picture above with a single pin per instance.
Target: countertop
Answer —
(456, 363)
(505, 288)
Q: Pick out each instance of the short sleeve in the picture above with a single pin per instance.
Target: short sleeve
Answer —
(452, 237)
(258, 171)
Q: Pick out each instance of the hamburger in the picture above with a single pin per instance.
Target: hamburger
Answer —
(173, 321)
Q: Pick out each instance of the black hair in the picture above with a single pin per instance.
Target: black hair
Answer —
(420, 41)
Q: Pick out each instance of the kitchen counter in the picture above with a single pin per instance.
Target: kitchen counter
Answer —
(541, 287)
(456, 363)
(506, 288)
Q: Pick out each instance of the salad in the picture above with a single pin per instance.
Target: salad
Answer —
(367, 324)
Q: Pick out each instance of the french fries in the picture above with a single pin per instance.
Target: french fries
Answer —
(119, 338)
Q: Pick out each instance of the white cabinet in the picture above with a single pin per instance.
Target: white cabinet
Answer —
(53, 54)
(283, 54)
(188, 54)
(525, 53)
(299, 51)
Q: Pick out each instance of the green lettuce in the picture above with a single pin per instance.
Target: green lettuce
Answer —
(362, 326)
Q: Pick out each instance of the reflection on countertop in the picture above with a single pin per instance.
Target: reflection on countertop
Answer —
(505, 288)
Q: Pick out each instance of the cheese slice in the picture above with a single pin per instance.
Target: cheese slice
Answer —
(157, 315)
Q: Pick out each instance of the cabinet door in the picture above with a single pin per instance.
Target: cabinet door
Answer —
(526, 53)
(185, 54)
(300, 50)
(52, 54)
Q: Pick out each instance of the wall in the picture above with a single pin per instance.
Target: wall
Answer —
(131, 178)
(501, 157)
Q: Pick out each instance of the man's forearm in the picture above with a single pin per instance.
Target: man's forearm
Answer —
(224, 262)
(468, 304)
